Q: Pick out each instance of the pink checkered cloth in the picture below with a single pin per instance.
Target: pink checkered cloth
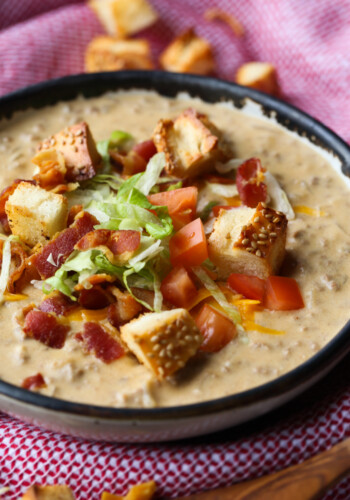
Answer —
(308, 42)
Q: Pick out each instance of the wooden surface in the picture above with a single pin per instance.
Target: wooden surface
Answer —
(306, 481)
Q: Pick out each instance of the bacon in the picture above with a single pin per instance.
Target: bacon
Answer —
(117, 241)
(94, 298)
(125, 309)
(62, 246)
(45, 328)
(19, 256)
(131, 163)
(34, 382)
(94, 239)
(124, 241)
(73, 212)
(4, 196)
(97, 340)
(57, 303)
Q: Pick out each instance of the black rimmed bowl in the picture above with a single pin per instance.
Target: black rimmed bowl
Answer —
(161, 424)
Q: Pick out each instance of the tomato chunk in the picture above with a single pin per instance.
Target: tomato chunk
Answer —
(216, 329)
(250, 187)
(178, 288)
(283, 294)
(250, 287)
(188, 247)
(145, 149)
(181, 204)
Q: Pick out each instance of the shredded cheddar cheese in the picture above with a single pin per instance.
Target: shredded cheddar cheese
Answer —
(14, 297)
(303, 209)
(88, 315)
(250, 325)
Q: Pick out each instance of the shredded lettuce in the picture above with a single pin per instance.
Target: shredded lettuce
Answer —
(6, 263)
(117, 140)
(178, 185)
(231, 311)
(204, 214)
(152, 173)
(278, 196)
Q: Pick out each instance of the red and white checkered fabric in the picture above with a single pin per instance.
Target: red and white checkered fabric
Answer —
(308, 42)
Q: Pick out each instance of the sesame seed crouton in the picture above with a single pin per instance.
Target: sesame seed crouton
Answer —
(163, 341)
(191, 144)
(34, 214)
(248, 241)
(78, 148)
(106, 53)
(124, 17)
(188, 53)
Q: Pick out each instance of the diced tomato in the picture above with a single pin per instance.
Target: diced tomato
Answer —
(283, 294)
(181, 204)
(178, 288)
(217, 329)
(217, 179)
(250, 287)
(250, 187)
(188, 247)
(145, 149)
(217, 208)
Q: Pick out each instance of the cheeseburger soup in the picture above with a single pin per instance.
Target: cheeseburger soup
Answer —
(244, 276)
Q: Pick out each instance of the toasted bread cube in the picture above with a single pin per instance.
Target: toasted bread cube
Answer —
(163, 341)
(124, 17)
(248, 241)
(191, 144)
(188, 53)
(258, 75)
(78, 149)
(106, 53)
(34, 214)
(49, 492)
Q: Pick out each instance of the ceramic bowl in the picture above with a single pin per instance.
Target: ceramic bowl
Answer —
(172, 423)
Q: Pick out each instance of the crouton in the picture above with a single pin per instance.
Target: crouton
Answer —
(124, 17)
(52, 492)
(105, 53)
(248, 241)
(34, 214)
(163, 341)
(188, 53)
(191, 144)
(258, 75)
(78, 148)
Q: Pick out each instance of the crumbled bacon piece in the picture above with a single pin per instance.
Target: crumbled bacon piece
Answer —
(62, 246)
(45, 328)
(131, 163)
(34, 382)
(57, 303)
(97, 340)
(94, 239)
(125, 309)
(94, 298)
(117, 241)
(18, 265)
(73, 212)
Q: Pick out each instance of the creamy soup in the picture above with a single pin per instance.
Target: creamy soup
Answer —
(318, 249)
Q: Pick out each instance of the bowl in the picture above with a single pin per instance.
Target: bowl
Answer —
(173, 423)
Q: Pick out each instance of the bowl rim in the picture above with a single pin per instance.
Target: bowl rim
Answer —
(169, 84)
